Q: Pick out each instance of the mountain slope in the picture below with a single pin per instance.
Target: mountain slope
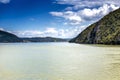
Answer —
(8, 37)
(105, 31)
(44, 39)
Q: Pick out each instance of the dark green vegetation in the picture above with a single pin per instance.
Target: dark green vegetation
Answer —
(44, 39)
(105, 31)
(6, 37)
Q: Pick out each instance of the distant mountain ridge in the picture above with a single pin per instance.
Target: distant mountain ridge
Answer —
(6, 37)
(44, 39)
(105, 31)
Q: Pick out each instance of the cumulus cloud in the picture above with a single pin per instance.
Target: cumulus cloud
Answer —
(51, 32)
(87, 3)
(85, 14)
(4, 1)
(96, 13)
(68, 15)
(71, 16)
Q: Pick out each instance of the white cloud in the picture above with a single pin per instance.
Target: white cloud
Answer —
(96, 13)
(2, 29)
(87, 3)
(68, 15)
(28, 33)
(4, 1)
(51, 32)
(85, 14)
(56, 13)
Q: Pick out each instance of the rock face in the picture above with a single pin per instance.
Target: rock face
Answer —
(105, 31)
(8, 37)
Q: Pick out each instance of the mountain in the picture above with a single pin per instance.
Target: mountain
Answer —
(44, 39)
(105, 31)
(8, 37)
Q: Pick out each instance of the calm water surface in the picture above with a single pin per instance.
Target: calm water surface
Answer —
(59, 61)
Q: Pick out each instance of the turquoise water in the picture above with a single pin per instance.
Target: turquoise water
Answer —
(59, 61)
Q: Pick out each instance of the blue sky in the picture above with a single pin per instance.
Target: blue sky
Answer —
(55, 18)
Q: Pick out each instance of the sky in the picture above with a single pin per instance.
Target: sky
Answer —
(53, 18)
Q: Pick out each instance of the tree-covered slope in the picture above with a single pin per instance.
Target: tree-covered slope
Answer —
(8, 37)
(105, 31)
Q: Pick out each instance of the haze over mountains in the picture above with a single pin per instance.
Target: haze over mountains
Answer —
(9, 37)
(104, 31)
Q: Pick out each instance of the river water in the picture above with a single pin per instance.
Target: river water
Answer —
(59, 61)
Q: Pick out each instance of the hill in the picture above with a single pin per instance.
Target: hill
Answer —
(105, 31)
(44, 39)
(8, 37)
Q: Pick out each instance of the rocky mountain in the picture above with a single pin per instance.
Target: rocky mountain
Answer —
(8, 37)
(105, 31)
